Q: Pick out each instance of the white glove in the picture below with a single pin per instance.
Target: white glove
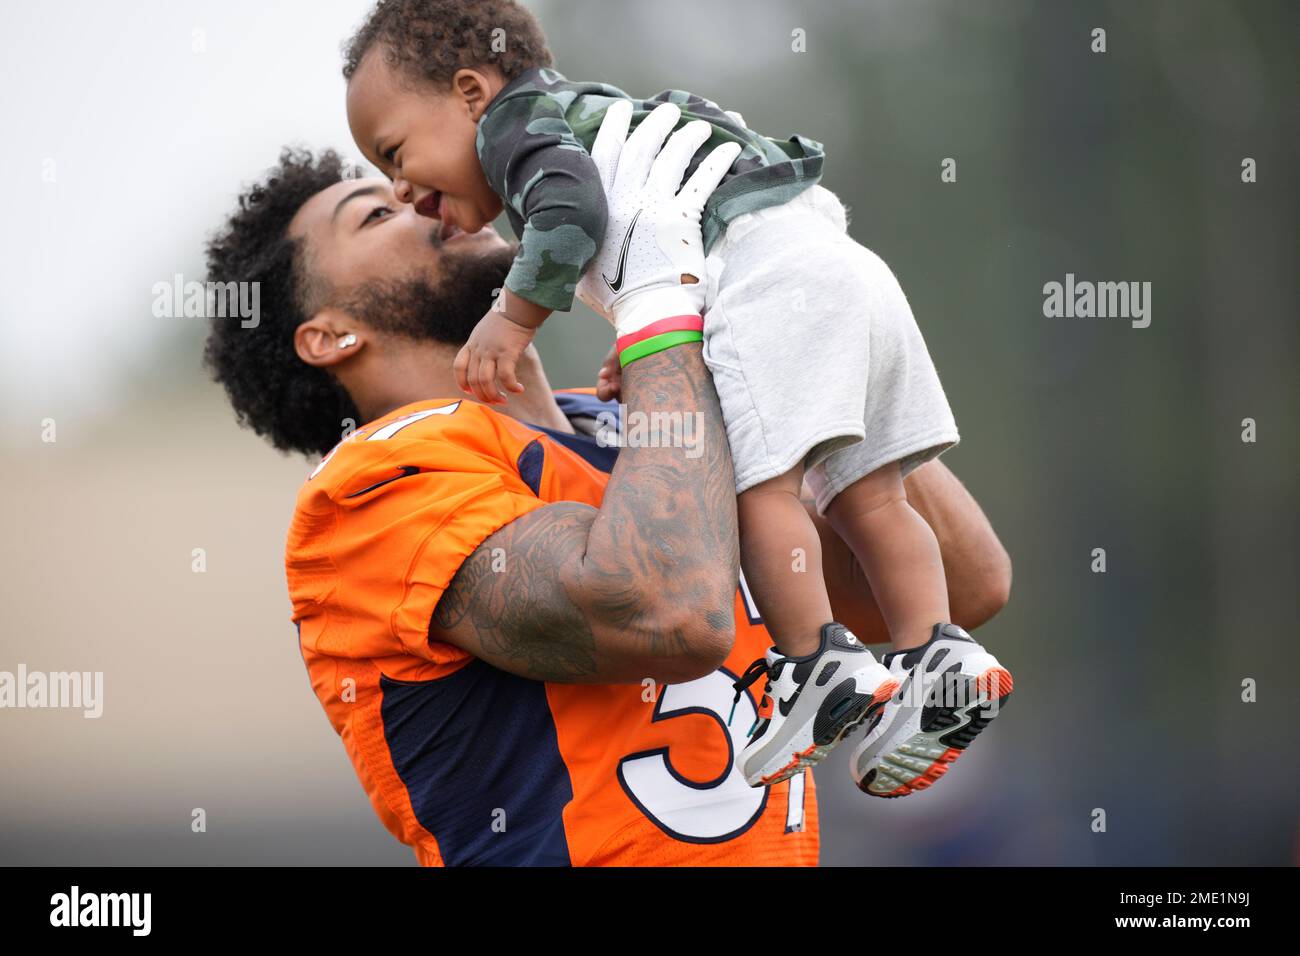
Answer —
(652, 236)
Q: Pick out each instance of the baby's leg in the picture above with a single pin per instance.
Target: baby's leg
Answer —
(782, 558)
(898, 552)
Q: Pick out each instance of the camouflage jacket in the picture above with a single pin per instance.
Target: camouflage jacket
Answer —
(534, 141)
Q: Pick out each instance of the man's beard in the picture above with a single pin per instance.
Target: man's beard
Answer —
(445, 311)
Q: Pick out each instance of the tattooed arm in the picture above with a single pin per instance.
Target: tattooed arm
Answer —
(974, 561)
(643, 587)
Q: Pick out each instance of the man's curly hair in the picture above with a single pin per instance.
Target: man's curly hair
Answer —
(430, 40)
(298, 407)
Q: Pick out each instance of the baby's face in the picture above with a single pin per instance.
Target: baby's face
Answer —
(424, 142)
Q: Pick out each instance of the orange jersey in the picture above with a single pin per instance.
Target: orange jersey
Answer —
(468, 764)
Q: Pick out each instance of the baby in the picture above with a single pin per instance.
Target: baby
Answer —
(819, 367)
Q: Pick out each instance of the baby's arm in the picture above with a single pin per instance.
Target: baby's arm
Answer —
(538, 167)
(533, 160)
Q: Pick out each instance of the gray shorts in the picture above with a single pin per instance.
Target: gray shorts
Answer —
(815, 354)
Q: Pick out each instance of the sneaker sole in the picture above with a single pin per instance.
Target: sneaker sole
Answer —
(834, 728)
(919, 761)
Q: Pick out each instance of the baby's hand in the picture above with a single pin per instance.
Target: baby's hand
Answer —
(495, 345)
(490, 356)
(609, 383)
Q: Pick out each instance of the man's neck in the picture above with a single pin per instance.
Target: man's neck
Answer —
(417, 372)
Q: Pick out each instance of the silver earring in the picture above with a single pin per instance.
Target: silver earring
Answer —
(347, 341)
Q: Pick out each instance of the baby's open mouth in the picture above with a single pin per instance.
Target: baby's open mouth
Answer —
(430, 205)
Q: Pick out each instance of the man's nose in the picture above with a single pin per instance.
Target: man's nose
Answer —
(402, 190)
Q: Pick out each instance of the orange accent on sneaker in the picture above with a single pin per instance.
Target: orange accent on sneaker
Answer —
(796, 759)
(996, 682)
(882, 695)
(765, 707)
(931, 775)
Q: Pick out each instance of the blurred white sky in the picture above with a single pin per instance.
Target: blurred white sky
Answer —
(150, 139)
(151, 114)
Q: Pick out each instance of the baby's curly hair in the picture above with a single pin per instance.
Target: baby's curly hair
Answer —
(298, 407)
(430, 40)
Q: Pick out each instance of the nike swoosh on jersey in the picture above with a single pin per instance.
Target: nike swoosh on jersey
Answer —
(406, 472)
(616, 283)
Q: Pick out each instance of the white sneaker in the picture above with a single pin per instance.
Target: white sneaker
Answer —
(810, 704)
(951, 689)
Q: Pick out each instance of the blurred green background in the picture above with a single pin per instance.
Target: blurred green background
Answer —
(1077, 433)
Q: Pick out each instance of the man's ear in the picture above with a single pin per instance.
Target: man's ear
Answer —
(474, 89)
(327, 338)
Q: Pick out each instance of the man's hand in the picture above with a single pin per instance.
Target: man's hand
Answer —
(609, 381)
(652, 258)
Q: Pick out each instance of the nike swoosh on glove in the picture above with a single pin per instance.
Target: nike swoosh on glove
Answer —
(652, 237)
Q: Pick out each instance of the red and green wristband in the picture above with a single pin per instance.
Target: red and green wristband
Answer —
(659, 335)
